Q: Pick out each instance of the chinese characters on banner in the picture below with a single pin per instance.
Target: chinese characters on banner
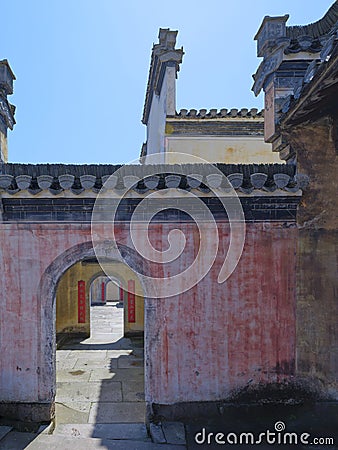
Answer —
(81, 298)
(131, 301)
(103, 289)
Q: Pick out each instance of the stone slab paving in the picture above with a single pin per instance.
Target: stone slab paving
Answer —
(94, 391)
(132, 392)
(174, 432)
(100, 394)
(99, 378)
(16, 440)
(44, 442)
(4, 430)
(126, 412)
(156, 433)
(120, 431)
(72, 413)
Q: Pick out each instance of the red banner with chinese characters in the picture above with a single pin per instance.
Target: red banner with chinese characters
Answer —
(131, 301)
(121, 294)
(81, 301)
(103, 285)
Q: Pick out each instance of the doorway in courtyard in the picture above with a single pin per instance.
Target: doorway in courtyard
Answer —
(100, 346)
(106, 289)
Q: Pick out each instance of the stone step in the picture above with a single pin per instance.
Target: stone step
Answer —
(4, 430)
(168, 433)
(164, 433)
(60, 442)
(118, 436)
(16, 440)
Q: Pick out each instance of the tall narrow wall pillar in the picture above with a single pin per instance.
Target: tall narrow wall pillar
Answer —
(6, 109)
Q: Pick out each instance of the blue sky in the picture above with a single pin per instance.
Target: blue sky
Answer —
(82, 68)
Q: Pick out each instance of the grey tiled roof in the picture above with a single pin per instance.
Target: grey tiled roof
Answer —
(57, 178)
(311, 38)
(223, 113)
(317, 29)
(317, 69)
(54, 170)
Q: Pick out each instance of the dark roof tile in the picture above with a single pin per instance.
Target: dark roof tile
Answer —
(213, 113)
(246, 177)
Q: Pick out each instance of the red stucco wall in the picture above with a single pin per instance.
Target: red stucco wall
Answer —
(200, 345)
(216, 338)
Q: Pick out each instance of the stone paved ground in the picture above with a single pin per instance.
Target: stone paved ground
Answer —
(100, 394)
(101, 379)
(100, 403)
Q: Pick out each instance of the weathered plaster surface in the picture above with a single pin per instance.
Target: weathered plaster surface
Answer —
(156, 121)
(200, 345)
(315, 143)
(229, 150)
(317, 308)
(217, 338)
(26, 252)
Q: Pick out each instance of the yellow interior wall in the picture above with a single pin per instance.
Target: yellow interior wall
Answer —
(67, 297)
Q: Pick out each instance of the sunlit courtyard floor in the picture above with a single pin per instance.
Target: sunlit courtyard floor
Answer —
(100, 393)
(101, 379)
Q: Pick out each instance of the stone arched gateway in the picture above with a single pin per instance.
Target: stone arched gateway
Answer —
(46, 305)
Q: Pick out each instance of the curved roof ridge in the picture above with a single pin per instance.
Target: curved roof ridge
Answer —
(316, 29)
(215, 113)
(243, 177)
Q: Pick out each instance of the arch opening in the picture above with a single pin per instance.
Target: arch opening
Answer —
(85, 286)
(105, 289)
(74, 264)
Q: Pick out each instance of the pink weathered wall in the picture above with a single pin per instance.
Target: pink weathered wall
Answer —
(200, 345)
(217, 338)
(26, 252)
